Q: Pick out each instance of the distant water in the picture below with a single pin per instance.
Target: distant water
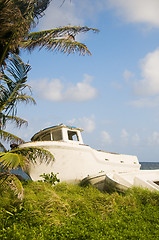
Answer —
(149, 165)
(21, 173)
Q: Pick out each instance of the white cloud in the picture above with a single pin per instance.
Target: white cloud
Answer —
(138, 11)
(71, 13)
(136, 139)
(57, 15)
(128, 75)
(124, 136)
(76, 12)
(146, 102)
(147, 87)
(106, 138)
(50, 90)
(154, 139)
(54, 90)
(86, 123)
(149, 84)
(82, 91)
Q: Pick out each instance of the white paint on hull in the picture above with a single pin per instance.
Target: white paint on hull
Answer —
(74, 162)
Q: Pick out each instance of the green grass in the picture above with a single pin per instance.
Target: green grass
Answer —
(73, 212)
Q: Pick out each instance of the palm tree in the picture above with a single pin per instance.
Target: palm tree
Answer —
(20, 158)
(12, 91)
(12, 85)
(18, 18)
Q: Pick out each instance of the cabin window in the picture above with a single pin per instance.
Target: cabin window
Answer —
(72, 136)
(46, 137)
(54, 136)
(57, 135)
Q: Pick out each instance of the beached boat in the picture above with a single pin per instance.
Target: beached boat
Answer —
(143, 178)
(75, 161)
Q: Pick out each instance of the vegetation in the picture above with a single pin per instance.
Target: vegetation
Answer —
(13, 86)
(18, 18)
(73, 212)
(20, 158)
(12, 91)
(50, 178)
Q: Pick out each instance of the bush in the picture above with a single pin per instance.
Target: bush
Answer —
(50, 178)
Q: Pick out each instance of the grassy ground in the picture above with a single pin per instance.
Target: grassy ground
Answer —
(73, 212)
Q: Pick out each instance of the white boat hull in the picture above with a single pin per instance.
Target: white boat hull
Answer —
(74, 162)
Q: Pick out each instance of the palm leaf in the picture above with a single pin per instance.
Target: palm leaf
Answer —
(13, 86)
(62, 45)
(17, 68)
(32, 153)
(25, 98)
(59, 32)
(20, 157)
(16, 19)
(8, 137)
(10, 180)
(40, 6)
(58, 40)
(2, 147)
(11, 160)
(18, 121)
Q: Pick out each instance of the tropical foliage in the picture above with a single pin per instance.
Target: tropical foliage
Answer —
(20, 158)
(12, 91)
(18, 18)
(73, 212)
(50, 178)
(13, 88)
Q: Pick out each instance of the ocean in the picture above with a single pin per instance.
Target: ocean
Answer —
(149, 165)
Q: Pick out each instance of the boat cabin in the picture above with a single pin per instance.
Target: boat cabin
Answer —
(59, 133)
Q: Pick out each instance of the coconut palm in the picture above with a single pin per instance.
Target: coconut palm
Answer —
(12, 91)
(18, 18)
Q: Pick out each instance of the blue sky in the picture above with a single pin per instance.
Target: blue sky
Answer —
(113, 94)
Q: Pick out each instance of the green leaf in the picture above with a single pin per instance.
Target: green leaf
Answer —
(13, 183)
(58, 39)
(11, 160)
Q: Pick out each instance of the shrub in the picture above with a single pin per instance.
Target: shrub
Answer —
(50, 178)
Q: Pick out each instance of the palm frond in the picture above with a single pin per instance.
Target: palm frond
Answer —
(18, 69)
(40, 6)
(32, 153)
(2, 147)
(10, 180)
(58, 39)
(18, 121)
(25, 98)
(16, 19)
(59, 32)
(11, 160)
(22, 157)
(8, 137)
(63, 45)
(14, 85)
